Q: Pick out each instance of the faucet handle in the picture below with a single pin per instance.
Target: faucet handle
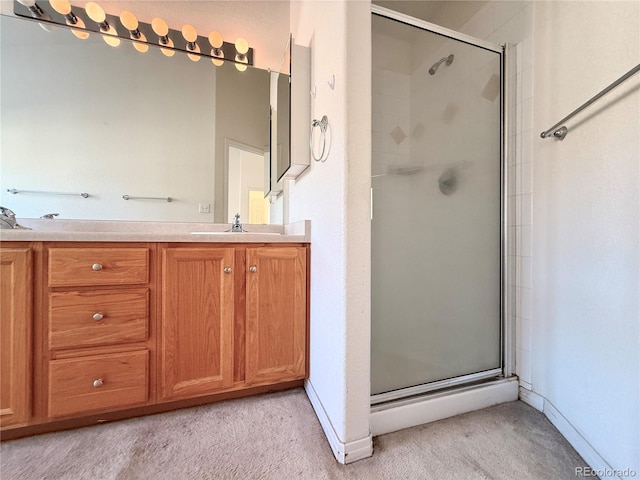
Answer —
(50, 216)
(8, 212)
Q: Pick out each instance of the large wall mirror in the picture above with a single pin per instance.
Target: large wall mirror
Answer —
(81, 117)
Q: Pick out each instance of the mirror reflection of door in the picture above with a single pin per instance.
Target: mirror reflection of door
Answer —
(246, 176)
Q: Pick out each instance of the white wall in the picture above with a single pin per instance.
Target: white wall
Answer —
(334, 195)
(585, 276)
(573, 235)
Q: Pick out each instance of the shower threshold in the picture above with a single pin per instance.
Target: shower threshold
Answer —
(437, 386)
(433, 406)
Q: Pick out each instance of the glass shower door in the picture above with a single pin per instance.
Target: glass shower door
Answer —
(436, 217)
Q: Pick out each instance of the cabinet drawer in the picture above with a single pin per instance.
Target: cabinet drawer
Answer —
(98, 266)
(81, 319)
(99, 382)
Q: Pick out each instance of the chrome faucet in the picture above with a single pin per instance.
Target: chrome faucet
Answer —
(8, 219)
(50, 216)
(236, 226)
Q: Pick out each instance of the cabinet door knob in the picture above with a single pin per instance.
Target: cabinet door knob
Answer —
(227, 270)
(97, 383)
(98, 316)
(253, 269)
(96, 267)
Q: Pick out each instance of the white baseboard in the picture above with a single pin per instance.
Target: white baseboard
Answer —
(436, 407)
(344, 452)
(532, 399)
(577, 441)
(569, 432)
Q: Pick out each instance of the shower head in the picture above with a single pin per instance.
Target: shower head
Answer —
(447, 61)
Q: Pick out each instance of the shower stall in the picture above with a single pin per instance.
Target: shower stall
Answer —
(437, 208)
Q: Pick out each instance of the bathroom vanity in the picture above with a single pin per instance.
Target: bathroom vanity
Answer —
(102, 322)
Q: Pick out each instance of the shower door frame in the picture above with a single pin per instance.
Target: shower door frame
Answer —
(507, 341)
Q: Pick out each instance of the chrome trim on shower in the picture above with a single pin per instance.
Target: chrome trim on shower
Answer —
(432, 386)
(508, 343)
(415, 22)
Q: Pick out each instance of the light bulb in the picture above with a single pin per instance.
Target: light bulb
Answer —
(242, 47)
(215, 39)
(78, 33)
(141, 47)
(189, 33)
(160, 27)
(167, 52)
(215, 61)
(95, 12)
(111, 38)
(63, 7)
(129, 21)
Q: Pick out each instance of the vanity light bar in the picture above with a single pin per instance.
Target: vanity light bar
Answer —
(227, 52)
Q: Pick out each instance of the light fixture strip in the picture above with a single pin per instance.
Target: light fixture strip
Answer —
(180, 44)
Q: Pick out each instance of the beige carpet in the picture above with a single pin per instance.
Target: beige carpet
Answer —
(277, 436)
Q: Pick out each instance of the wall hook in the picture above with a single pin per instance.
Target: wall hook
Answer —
(332, 83)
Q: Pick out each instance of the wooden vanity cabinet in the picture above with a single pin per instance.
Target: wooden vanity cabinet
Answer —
(96, 331)
(16, 284)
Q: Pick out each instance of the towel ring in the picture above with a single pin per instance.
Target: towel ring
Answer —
(323, 124)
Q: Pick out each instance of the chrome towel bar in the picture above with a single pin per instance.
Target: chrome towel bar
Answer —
(561, 132)
(164, 199)
(40, 192)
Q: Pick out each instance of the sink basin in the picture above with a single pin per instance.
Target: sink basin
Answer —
(235, 233)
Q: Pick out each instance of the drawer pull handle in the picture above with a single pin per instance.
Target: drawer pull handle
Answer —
(227, 270)
(97, 383)
(98, 316)
(253, 269)
(96, 267)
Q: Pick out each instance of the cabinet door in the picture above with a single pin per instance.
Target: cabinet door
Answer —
(196, 321)
(15, 335)
(276, 314)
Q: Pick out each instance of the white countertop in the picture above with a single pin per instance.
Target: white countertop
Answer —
(56, 230)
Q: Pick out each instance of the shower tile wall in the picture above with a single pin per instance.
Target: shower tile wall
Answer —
(510, 22)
